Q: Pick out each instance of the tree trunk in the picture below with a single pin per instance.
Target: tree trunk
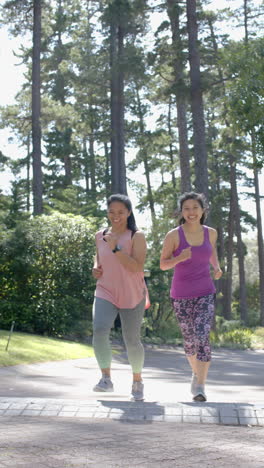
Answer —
(173, 180)
(173, 11)
(200, 154)
(68, 169)
(86, 166)
(145, 159)
(28, 189)
(215, 47)
(114, 107)
(183, 145)
(36, 106)
(227, 279)
(61, 96)
(218, 216)
(240, 252)
(242, 278)
(245, 6)
(259, 229)
(92, 165)
(227, 282)
(107, 170)
(118, 169)
(121, 113)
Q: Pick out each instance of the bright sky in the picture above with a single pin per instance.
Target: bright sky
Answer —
(11, 79)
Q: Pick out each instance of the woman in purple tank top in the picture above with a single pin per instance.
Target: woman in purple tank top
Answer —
(190, 249)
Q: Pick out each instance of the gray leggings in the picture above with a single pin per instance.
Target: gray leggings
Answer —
(104, 315)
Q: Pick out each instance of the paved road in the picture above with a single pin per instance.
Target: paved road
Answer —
(234, 377)
(80, 443)
(49, 416)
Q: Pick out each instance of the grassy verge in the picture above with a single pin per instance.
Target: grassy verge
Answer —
(26, 349)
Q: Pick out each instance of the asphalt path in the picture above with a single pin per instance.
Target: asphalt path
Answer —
(51, 418)
(83, 443)
(235, 376)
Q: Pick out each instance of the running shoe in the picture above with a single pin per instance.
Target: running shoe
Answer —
(137, 391)
(199, 393)
(104, 385)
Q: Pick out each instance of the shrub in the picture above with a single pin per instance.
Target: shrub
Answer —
(258, 338)
(239, 338)
(229, 325)
(46, 284)
(259, 331)
(253, 304)
(169, 330)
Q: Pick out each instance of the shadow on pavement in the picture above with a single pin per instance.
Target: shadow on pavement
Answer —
(137, 412)
(229, 367)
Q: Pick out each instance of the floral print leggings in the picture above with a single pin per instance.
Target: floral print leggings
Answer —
(195, 317)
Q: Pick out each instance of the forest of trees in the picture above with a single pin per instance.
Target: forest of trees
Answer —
(165, 81)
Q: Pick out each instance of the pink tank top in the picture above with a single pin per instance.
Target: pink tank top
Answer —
(123, 288)
(192, 277)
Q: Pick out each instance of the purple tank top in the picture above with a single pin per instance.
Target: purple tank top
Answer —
(192, 277)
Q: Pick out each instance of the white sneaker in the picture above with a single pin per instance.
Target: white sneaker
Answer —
(199, 393)
(104, 385)
(137, 391)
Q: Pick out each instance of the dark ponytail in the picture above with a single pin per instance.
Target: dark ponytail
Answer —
(119, 197)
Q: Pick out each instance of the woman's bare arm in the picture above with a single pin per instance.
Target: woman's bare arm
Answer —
(214, 257)
(170, 244)
(135, 261)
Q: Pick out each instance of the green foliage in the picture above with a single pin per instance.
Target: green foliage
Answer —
(170, 331)
(160, 312)
(238, 338)
(46, 284)
(258, 338)
(241, 337)
(223, 325)
(76, 130)
(5, 203)
(253, 302)
(259, 332)
(232, 334)
(17, 208)
(245, 92)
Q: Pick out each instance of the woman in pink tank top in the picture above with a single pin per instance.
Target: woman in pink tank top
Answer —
(190, 249)
(120, 288)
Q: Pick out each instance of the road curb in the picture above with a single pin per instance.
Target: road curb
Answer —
(235, 414)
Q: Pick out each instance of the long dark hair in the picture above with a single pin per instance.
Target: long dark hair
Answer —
(200, 197)
(119, 197)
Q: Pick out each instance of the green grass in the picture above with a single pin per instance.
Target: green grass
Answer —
(26, 349)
